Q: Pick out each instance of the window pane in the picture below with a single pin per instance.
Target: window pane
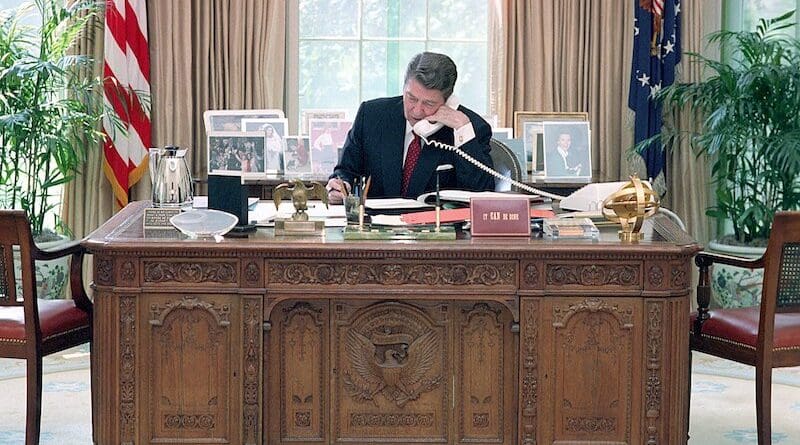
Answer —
(329, 18)
(394, 18)
(327, 78)
(384, 66)
(471, 61)
(766, 9)
(458, 19)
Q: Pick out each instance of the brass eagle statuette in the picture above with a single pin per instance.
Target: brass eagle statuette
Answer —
(300, 195)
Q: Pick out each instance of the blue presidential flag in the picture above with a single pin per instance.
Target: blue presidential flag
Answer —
(656, 51)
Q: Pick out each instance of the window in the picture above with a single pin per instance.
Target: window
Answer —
(745, 14)
(348, 51)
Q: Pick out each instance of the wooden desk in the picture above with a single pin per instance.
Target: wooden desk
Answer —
(317, 340)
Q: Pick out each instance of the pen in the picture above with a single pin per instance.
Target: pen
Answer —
(366, 189)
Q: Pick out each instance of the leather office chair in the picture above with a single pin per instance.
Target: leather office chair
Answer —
(765, 336)
(31, 328)
(506, 163)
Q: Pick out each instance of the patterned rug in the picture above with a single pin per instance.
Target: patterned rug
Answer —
(722, 410)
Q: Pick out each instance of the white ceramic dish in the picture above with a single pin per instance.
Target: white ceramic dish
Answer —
(204, 223)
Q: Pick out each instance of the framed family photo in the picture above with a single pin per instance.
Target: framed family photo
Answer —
(327, 137)
(568, 151)
(274, 130)
(231, 120)
(529, 126)
(313, 114)
(297, 157)
(236, 153)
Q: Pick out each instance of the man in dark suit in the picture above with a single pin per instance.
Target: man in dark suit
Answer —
(381, 144)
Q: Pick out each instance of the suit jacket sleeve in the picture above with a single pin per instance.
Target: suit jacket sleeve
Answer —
(352, 161)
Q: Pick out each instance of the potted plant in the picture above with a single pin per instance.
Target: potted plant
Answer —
(751, 130)
(49, 111)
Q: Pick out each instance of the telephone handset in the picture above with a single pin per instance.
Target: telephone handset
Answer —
(425, 128)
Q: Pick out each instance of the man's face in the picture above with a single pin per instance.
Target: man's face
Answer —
(420, 102)
(564, 141)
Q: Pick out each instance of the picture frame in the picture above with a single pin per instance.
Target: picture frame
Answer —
(319, 113)
(297, 157)
(568, 151)
(232, 153)
(528, 125)
(326, 138)
(274, 130)
(231, 120)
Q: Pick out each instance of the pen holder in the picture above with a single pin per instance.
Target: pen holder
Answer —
(351, 208)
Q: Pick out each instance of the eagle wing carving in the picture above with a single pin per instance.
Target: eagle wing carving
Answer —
(361, 352)
(421, 357)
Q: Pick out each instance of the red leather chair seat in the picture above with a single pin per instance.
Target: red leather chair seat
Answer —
(55, 317)
(740, 325)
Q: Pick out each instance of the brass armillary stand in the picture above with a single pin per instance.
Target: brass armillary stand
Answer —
(629, 206)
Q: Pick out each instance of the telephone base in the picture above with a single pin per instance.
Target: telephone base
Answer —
(400, 233)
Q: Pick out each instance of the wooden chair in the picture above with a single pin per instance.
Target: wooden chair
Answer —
(29, 327)
(765, 336)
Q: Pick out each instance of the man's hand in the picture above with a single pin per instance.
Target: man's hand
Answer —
(452, 118)
(337, 190)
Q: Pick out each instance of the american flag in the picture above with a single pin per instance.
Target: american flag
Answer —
(656, 51)
(127, 82)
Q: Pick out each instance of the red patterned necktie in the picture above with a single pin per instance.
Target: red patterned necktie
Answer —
(414, 149)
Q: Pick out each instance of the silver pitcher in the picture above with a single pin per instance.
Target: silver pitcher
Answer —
(171, 178)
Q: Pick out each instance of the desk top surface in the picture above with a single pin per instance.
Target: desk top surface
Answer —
(124, 231)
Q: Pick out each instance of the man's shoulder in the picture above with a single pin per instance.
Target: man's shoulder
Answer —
(382, 102)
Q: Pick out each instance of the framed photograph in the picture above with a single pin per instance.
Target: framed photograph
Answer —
(296, 157)
(236, 153)
(274, 130)
(231, 120)
(503, 133)
(528, 127)
(327, 137)
(319, 114)
(568, 151)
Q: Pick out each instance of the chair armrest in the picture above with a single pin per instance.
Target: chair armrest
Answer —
(69, 248)
(708, 258)
(704, 260)
(77, 251)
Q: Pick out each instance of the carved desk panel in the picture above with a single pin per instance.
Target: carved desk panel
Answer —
(273, 340)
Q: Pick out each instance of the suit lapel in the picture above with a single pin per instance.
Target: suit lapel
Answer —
(392, 149)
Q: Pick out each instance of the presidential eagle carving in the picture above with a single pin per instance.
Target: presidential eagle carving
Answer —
(398, 368)
(299, 194)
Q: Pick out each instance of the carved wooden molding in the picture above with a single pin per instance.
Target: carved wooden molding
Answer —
(530, 275)
(655, 275)
(593, 275)
(127, 369)
(394, 274)
(252, 273)
(562, 313)
(405, 420)
(127, 273)
(486, 324)
(654, 365)
(530, 372)
(679, 276)
(251, 320)
(293, 321)
(190, 272)
(189, 421)
(591, 424)
(104, 270)
(188, 302)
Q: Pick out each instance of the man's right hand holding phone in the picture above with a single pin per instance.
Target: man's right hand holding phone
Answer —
(337, 190)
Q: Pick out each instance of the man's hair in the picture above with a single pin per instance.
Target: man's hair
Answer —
(434, 71)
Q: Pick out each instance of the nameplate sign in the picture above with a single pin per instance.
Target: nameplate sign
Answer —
(158, 217)
(500, 216)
